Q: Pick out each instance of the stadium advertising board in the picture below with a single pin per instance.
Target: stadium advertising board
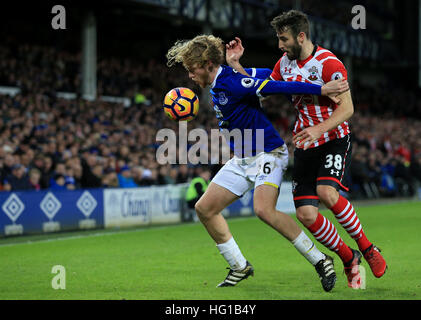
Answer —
(50, 211)
(127, 207)
(31, 212)
(142, 206)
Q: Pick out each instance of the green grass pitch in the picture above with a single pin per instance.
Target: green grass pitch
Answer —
(181, 262)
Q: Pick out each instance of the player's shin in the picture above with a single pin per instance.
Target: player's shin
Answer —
(232, 254)
(307, 248)
(345, 213)
(322, 263)
(325, 232)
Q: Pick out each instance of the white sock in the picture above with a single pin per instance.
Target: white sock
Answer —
(308, 249)
(232, 254)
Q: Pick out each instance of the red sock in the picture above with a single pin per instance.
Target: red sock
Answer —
(325, 232)
(345, 213)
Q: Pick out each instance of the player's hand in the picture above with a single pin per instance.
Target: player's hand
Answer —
(307, 137)
(234, 51)
(334, 88)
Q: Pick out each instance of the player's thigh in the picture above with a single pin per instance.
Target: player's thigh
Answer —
(271, 168)
(334, 168)
(304, 177)
(214, 200)
(264, 199)
(233, 177)
(227, 186)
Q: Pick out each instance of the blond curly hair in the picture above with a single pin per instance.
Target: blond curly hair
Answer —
(197, 51)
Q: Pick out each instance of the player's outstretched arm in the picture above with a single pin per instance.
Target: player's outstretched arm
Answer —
(270, 87)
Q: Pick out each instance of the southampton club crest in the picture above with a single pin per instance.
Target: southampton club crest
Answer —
(313, 73)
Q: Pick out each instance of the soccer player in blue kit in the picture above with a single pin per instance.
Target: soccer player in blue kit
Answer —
(259, 161)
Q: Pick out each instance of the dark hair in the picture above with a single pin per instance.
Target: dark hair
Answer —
(293, 20)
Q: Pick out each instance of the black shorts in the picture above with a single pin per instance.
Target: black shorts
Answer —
(324, 165)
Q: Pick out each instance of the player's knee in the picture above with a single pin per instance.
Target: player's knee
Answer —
(328, 195)
(305, 216)
(204, 212)
(262, 213)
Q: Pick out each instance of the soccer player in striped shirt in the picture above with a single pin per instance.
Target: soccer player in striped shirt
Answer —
(322, 138)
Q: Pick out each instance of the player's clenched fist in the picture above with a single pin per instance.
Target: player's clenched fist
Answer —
(234, 50)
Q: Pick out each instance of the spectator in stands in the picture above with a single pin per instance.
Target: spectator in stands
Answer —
(47, 172)
(34, 179)
(70, 178)
(359, 172)
(196, 189)
(387, 183)
(415, 168)
(402, 176)
(9, 162)
(58, 182)
(17, 180)
(183, 174)
(125, 178)
(164, 175)
(110, 179)
(91, 172)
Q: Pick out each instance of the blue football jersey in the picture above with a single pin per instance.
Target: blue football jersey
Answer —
(238, 107)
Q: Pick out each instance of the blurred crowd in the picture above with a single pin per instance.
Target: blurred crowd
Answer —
(386, 156)
(47, 142)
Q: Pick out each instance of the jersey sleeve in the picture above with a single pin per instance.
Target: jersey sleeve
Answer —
(260, 73)
(270, 87)
(276, 72)
(333, 69)
(246, 86)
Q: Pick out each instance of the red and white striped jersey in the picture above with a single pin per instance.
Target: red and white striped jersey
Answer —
(319, 68)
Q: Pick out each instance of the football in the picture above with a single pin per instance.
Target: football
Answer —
(181, 104)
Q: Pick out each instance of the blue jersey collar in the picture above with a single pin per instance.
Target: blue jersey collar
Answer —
(216, 77)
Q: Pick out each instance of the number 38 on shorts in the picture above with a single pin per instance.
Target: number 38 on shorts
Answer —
(334, 161)
(333, 170)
